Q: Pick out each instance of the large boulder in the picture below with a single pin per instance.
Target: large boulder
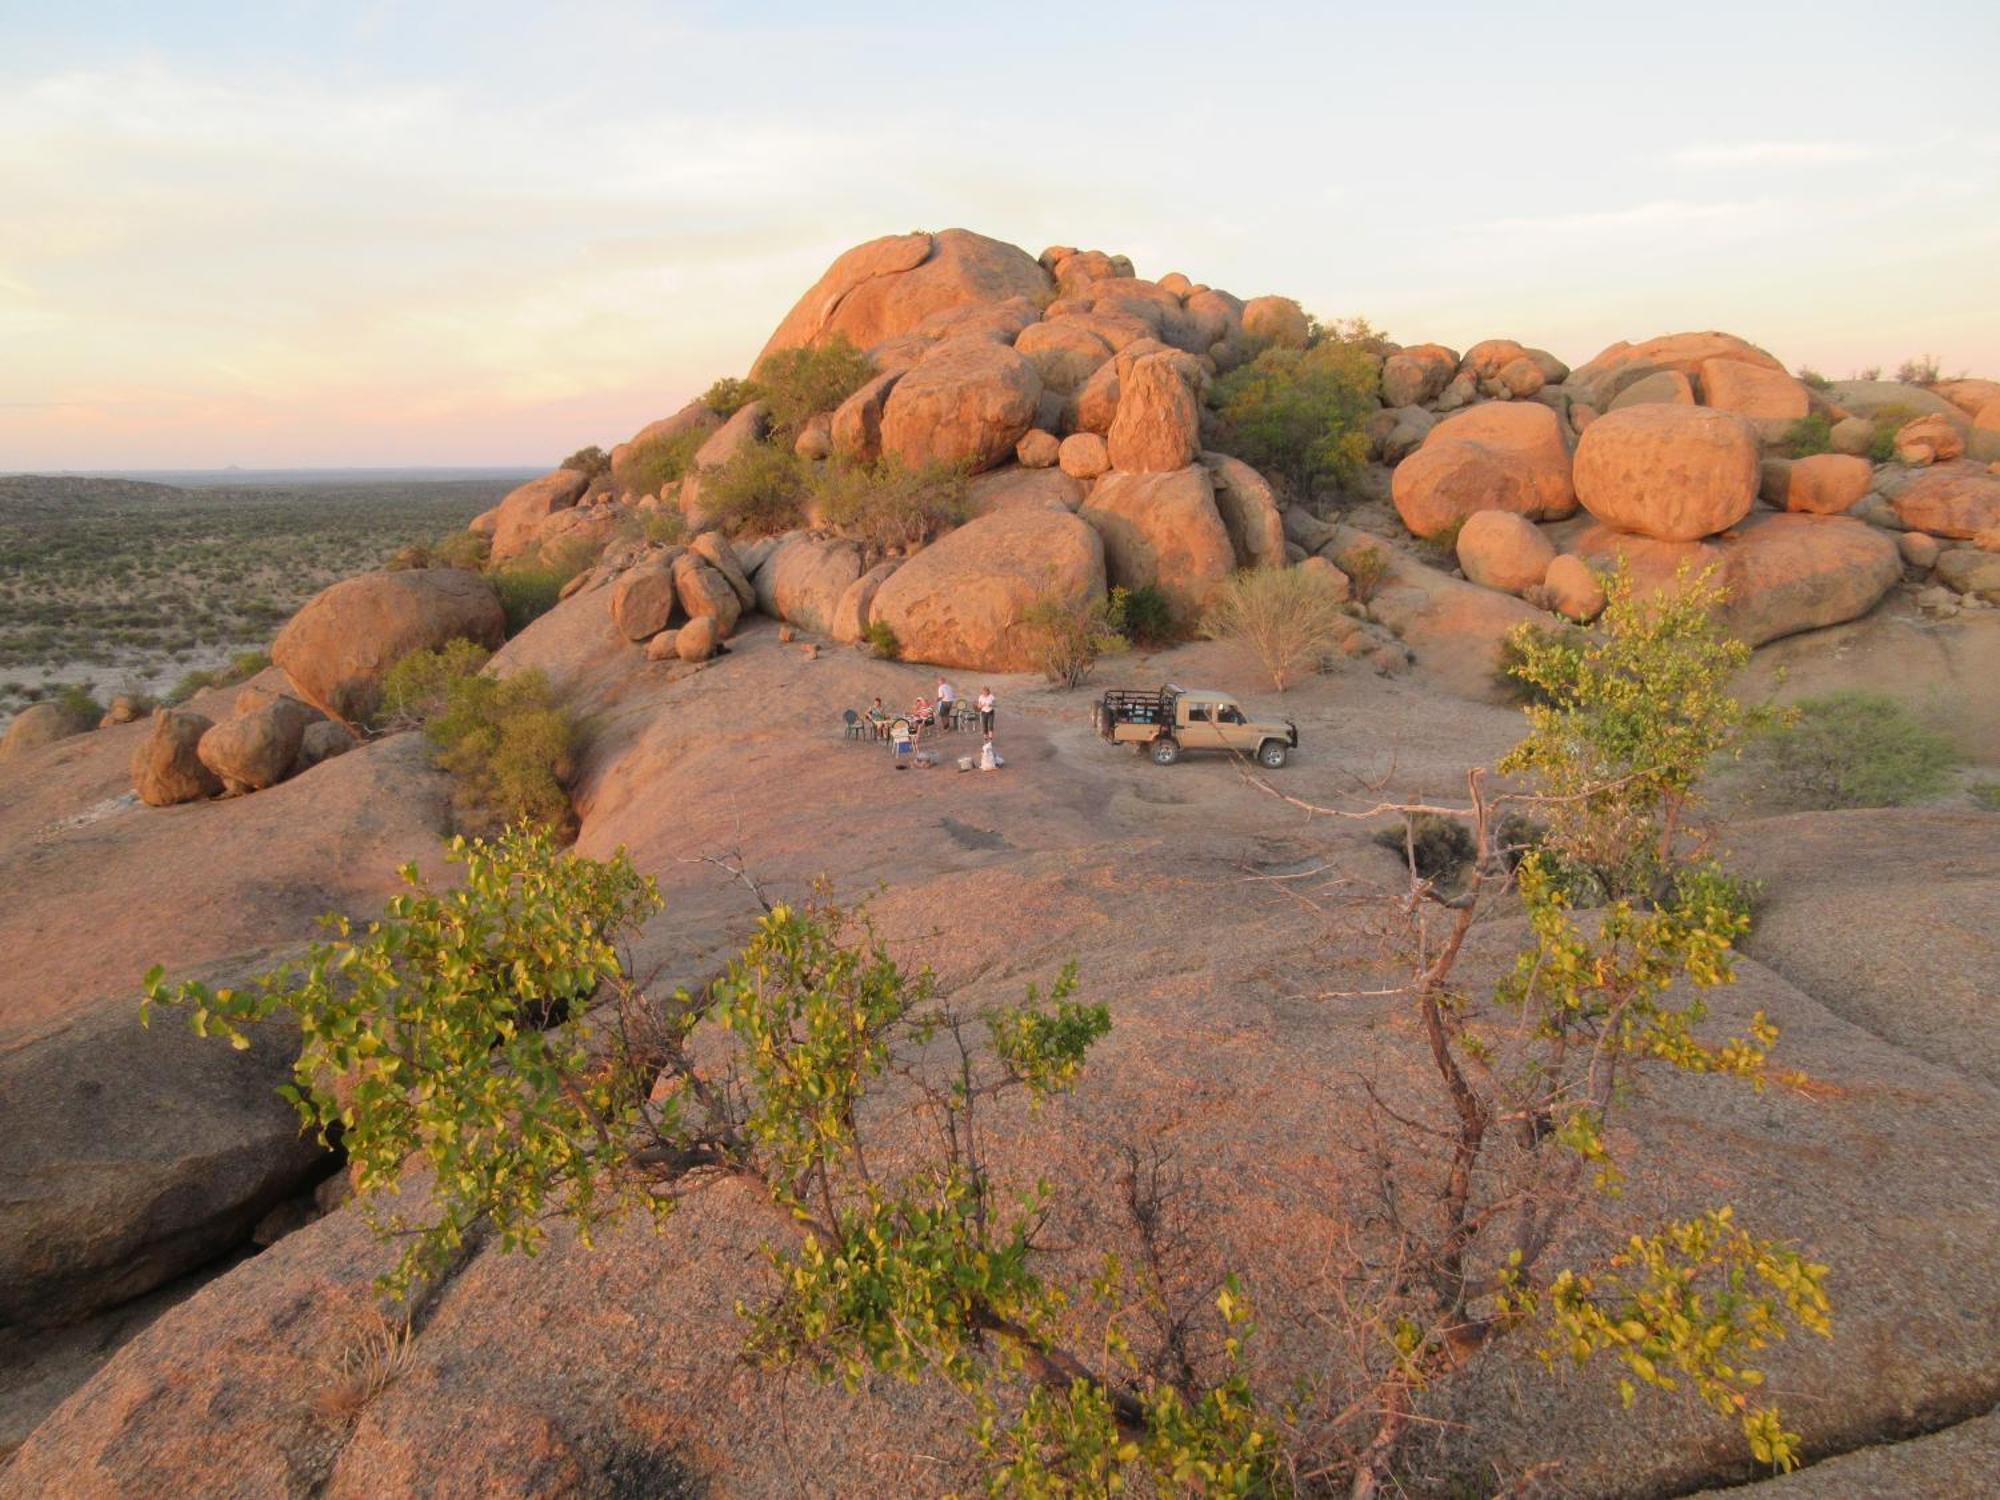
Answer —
(1502, 550)
(1249, 511)
(888, 287)
(713, 548)
(856, 429)
(1601, 379)
(336, 649)
(1826, 484)
(256, 748)
(744, 430)
(1892, 400)
(802, 581)
(1983, 442)
(1417, 375)
(1064, 352)
(1770, 400)
(1500, 456)
(1157, 426)
(1788, 573)
(960, 602)
(526, 508)
(151, 1151)
(1670, 387)
(1969, 570)
(1959, 501)
(1012, 487)
(705, 594)
(1163, 531)
(644, 599)
(1968, 394)
(1929, 439)
(37, 725)
(1574, 589)
(1675, 473)
(165, 766)
(969, 401)
(1276, 322)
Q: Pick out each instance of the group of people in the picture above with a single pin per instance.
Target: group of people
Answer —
(906, 731)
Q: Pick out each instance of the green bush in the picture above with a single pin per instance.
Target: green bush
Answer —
(759, 492)
(1522, 647)
(728, 396)
(881, 641)
(1852, 749)
(1149, 617)
(797, 384)
(1070, 634)
(1439, 846)
(888, 504)
(1298, 415)
(660, 461)
(463, 549)
(530, 587)
(1367, 567)
(1810, 434)
(79, 704)
(662, 527)
(418, 687)
(1887, 420)
(1813, 378)
(507, 744)
(589, 462)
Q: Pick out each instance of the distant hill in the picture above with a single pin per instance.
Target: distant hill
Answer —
(30, 491)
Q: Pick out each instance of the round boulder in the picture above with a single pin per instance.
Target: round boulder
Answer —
(1276, 322)
(1083, 455)
(254, 750)
(1960, 502)
(1501, 550)
(1825, 484)
(336, 649)
(1674, 473)
(525, 509)
(803, 579)
(1037, 450)
(1500, 456)
(37, 725)
(960, 602)
(1788, 573)
(969, 401)
(697, 640)
(165, 766)
(1575, 590)
(1930, 439)
(1064, 352)
(643, 600)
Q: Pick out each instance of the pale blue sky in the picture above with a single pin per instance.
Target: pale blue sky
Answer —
(303, 233)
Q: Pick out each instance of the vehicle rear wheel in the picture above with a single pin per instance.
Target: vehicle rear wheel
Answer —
(1272, 753)
(1166, 750)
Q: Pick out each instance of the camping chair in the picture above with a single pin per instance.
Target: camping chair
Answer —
(856, 730)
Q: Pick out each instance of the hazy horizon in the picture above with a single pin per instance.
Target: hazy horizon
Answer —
(448, 236)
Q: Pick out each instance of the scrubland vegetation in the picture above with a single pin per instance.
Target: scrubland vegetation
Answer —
(114, 584)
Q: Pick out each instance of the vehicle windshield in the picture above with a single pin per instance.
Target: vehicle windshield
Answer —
(1229, 713)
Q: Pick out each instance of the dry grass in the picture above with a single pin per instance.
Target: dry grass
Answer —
(381, 1353)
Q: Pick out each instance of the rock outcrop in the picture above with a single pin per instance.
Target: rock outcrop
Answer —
(1163, 531)
(166, 769)
(803, 579)
(522, 513)
(968, 401)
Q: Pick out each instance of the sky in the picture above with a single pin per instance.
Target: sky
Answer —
(292, 233)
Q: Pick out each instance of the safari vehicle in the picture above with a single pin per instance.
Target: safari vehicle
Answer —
(1174, 719)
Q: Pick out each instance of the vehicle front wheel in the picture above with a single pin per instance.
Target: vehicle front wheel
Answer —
(1166, 750)
(1272, 753)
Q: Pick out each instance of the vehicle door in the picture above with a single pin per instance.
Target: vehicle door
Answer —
(1232, 729)
(1197, 726)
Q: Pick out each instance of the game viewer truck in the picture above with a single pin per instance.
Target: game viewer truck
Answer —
(1165, 722)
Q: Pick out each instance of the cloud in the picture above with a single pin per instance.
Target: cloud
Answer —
(1776, 154)
(1666, 216)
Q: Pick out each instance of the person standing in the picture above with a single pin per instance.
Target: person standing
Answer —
(947, 701)
(985, 700)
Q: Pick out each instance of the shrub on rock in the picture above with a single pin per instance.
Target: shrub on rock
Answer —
(1299, 415)
(336, 649)
(1286, 617)
(1675, 473)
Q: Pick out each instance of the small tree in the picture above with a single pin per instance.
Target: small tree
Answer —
(1298, 414)
(1287, 616)
(759, 492)
(889, 504)
(800, 383)
(589, 462)
(1072, 631)
(1920, 370)
(1367, 567)
(728, 395)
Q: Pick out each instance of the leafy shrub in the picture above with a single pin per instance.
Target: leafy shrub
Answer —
(589, 462)
(412, 558)
(1439, 846)
(530, 587)
(728, 396)
(463, 549)
(1298, 415)
(1810, 434)
(800, 383)
(1442, 544)
(759, 492)
(660, 461)
(1366, 566)
(888, 504)
(1870, 372)
(1527, 644)
(1853, 749)
(1985, 794)
(662, 527)
(1920, 370)
(418, 687)
(881, 641)
(1809, 376)
(78, 703)
(1285, 616)
(1150, 618)
(1071, 634)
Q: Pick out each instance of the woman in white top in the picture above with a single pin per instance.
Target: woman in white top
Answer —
(947, 699)
(985, 701)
